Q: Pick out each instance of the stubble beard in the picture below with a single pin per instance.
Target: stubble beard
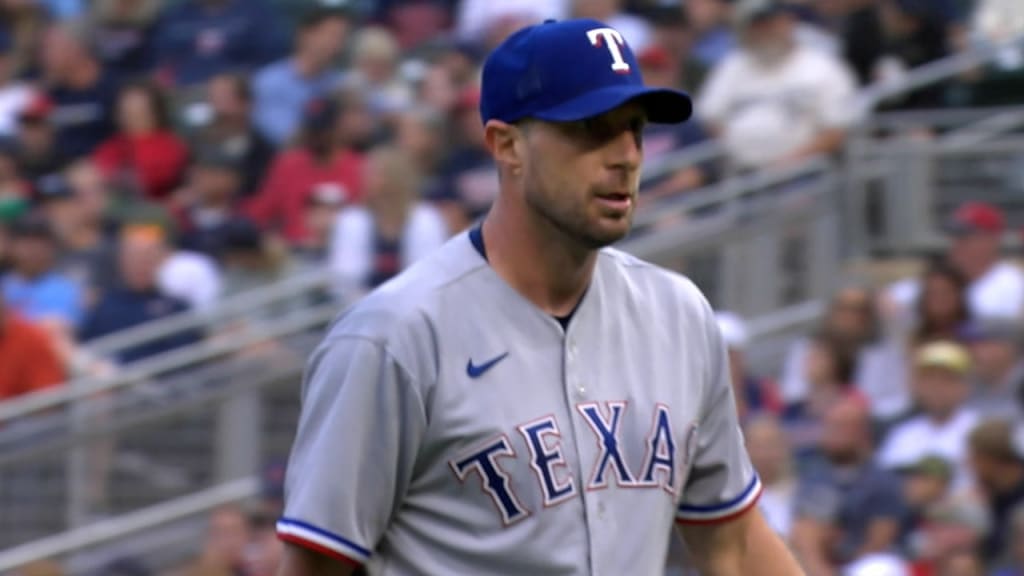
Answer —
(570, 220)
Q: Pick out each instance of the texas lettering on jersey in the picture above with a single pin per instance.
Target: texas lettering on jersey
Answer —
(554, 480)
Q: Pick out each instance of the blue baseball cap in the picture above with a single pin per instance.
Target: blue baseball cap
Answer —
(563, 71)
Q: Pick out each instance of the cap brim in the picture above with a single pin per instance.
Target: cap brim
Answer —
(663, 106)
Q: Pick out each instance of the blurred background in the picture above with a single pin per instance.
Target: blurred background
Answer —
(191, 189)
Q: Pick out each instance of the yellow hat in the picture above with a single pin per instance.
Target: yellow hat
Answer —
(947, 355)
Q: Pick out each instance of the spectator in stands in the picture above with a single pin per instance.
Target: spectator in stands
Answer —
(125, 36)
(324, 159)
(227, 535)
(265, 550)
(672, 32)
(848, 509)
(250, 258)
(14, 93)
(753, 395)
(711, 24)
(770, 454)
(420, 132)
(775, 101)
(468, 180)
(997, 461)
(915, 32)
(375, 59)
(941, 391)
(373, 243)
(926, 486)
(829, 371)
(662, 141)
(232, 129)
(209, 200)
(86, 255)
(995, 286)
(322, 210)
(852, 323)
(145, 145)
(12, 185)
(36, 147)
(198, 39)
(34, 287)
(28, 361)
(141, 253)
(487, 21)
(77, 207)
(943, 310)
(998, 369)
(635, 30)
(83, 93)
(284, 88)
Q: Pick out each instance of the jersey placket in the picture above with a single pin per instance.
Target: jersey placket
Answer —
(579, 391)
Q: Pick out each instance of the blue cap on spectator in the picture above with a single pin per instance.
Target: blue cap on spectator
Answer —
(567, 71)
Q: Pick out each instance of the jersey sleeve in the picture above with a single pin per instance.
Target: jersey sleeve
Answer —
(358, 436)
(721, 484)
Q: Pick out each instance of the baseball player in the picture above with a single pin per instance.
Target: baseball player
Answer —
(526, 400)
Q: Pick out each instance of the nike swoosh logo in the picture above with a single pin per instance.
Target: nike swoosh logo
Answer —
(475, 371)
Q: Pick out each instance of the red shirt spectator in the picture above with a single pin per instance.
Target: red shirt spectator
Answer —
(145, 144)
(323, 161)
(28, 361)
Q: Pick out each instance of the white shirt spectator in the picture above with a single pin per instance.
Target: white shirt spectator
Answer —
(476, 17)
(1000, 21)
(999, 293)
(920, 437)
(191, 277)
(767, 113)
(13, 98)
(351, 249)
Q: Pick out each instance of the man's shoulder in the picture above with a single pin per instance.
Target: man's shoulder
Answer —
(639, 274)
(409, 302)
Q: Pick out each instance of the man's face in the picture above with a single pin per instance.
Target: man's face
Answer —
(326, 39)
(844, 432)
(769, 39)
(32, 256)
(849, 317)
(940, 391)
(967, 251)
(991, 358)
(583, 177)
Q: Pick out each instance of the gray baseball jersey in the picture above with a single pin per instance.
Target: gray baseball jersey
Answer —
(449, 426)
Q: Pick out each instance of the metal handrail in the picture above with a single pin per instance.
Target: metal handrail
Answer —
(118, 527)
(935, 72)
(236, 305)
(78, 389)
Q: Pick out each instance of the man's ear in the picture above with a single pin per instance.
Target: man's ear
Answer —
(504, 142)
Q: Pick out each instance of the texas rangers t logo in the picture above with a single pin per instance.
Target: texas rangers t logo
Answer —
(612, 40)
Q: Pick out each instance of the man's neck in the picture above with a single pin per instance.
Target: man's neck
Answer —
(536, 259)
(83, 76)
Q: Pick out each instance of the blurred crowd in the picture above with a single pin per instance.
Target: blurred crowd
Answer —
(158, 157)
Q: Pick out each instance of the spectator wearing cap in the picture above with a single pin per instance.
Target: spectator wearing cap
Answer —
(325, 157)
(142, 253)
(776, 101)
(998, 368)
(997, 461)
(468, 181)
(125, 36)
(661, 69)
(849, 508)
(14, 94)
(995, 286)
(479, 20)
(28, 361)
(373, 243)
(83, 93)
(231, 128)
(198, 39)
(941, 391)
(322, 209)
(145, 145)
(283, 89)
(753, 395)
(421, 132)
(943, 311)
(209, 201)
(87, 254)
(34, 287)
(36, 141)
(949, 527)
(375, 72)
